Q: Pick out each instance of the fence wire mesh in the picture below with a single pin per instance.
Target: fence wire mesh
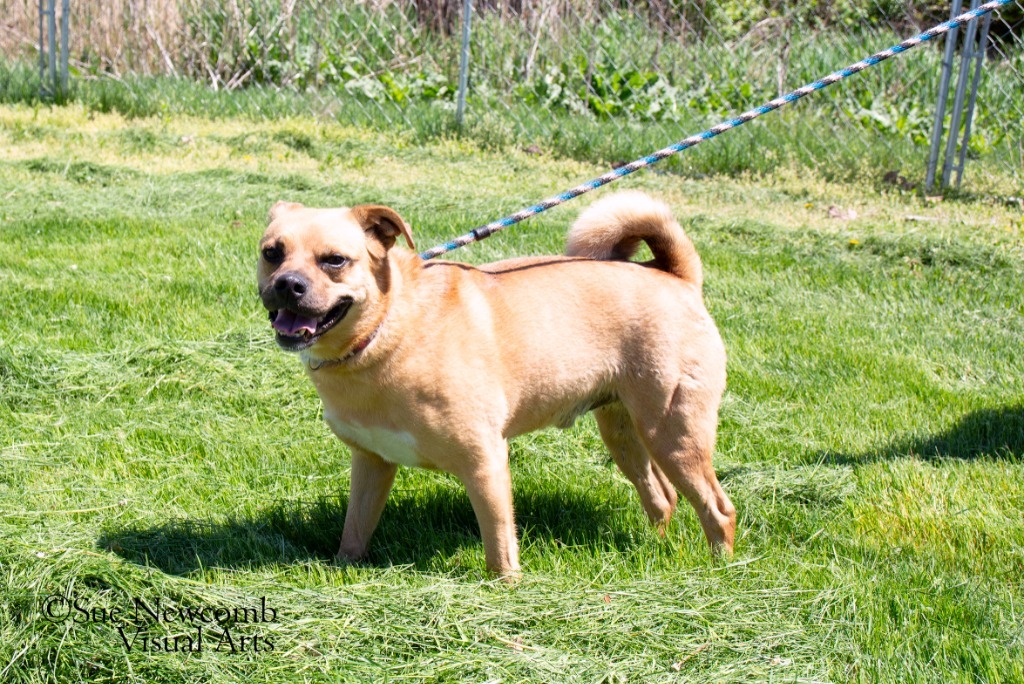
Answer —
(595, 79)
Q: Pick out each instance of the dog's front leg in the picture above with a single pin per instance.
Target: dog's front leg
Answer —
(372, 478)
(489, 486)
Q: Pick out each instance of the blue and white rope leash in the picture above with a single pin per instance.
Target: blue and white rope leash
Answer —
(491, 228)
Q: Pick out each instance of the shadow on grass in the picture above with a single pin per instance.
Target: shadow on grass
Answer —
(417, 528)
(988, 433)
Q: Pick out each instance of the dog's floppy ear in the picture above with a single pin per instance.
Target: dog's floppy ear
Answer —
(281, 207)
(383, 223)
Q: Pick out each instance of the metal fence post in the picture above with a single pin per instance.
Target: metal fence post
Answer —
(940, 104)
(53, 83)
(51, 38)
(65, 12)
(42, 49)
(976, 51)
(460, 107)
(973, 48)
(958, 98)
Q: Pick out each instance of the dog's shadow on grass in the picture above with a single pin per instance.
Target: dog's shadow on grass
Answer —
(988, 433)
(417, 528)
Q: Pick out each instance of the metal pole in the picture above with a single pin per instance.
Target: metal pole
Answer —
(65, 12)
(958, 99)
(460, 107)
(51, 36)
(979, 60)
(42, 50)
(940, 105)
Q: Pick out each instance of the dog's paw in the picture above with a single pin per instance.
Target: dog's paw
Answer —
(510, 578)
(722, 552)
(349, 556)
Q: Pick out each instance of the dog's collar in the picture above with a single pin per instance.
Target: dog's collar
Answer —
(317, 365)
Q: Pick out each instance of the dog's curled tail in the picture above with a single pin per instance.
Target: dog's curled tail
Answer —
(611, 230)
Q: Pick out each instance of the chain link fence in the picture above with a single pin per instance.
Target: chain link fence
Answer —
(605, 80)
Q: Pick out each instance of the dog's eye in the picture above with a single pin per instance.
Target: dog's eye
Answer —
(334, 261)
(273, 255)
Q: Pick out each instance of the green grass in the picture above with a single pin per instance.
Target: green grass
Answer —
(155, 444)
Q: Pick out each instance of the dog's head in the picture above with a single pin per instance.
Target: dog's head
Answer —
(321, 270)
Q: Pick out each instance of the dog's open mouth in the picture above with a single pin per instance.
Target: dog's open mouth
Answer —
(296, 332)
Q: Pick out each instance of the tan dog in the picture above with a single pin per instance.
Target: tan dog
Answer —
(438, 364)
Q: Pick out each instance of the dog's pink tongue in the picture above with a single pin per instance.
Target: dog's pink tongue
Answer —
(289, 323)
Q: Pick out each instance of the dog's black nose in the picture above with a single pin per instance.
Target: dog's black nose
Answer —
(291, 285)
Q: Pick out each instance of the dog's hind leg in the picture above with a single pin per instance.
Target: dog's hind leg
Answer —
(680, 437)
(657, 495)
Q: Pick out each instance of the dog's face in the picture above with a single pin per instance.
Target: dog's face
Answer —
(320, 270)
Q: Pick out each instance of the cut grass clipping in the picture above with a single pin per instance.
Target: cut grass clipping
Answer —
(160, 454)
